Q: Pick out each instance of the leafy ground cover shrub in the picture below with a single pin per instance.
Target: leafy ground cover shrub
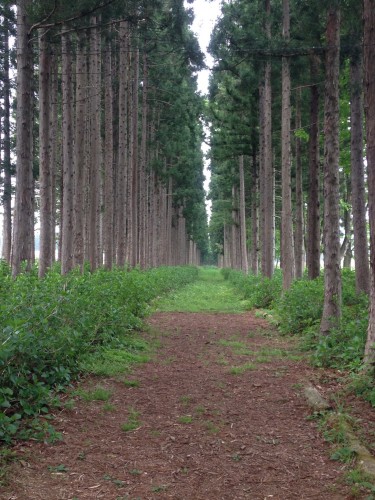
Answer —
(299, 310)
(49, 329)
(258, 291)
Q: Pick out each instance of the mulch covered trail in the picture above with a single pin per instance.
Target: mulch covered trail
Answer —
(204, 432)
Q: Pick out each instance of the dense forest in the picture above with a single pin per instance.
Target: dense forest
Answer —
(102, 166)
(292, 169)
(102, 132)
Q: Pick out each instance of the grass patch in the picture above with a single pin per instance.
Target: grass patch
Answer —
(210, 293)
(131, 383)
(133, 421)
(109, 407)
(95, 394)
(239, 370)
(185, 419)
(112, 362)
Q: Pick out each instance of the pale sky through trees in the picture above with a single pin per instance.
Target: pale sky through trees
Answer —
(206, 13)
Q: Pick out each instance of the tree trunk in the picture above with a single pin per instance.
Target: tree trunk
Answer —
(122, 167)
(243, 236)
(24, 199)
(254, 214)
(135, 163)
(361, 261)
(287, 246)
(268, 229)
(67, 149)
(313, 205)
(7, 196)
(95, 144)
(332, 274)
(80, 150)
(108, 160)
(143, 184)
(45, 164)
(369, 81)
(298, 235)
(53, 145)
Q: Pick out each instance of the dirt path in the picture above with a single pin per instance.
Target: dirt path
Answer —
(218, 414)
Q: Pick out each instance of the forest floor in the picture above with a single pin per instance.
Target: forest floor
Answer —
(217, 413)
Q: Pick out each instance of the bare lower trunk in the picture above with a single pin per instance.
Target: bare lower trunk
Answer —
(108, 162)
(268, 229)
(67, 148)
(369, 81)
(7, 195)
(287, 244)
(24, 199)
(254, 214)
(332, 274)
(298, 235)
(244, 263)
(95, 145)
(45, 164)
(80, 150)
(362, 272)
(313, 205)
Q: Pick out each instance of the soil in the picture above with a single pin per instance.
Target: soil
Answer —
(202, 432)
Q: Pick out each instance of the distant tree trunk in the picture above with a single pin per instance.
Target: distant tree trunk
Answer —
(95, 144)
(298, 235)
(268, 229)
(254, 214)
(313, 204)
(143, 185)
(53, 145)
(243, 236)
(108, 160)
(45, 164)
(80, 150)
(332, 274)
(122, 167)
(7, 196)
(67, 148)
(369, 81)
(24, 200)
(287, 246)
(362, 272)
(135, 163)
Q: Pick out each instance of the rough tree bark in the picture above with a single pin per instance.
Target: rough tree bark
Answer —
(244, 262)
(362, 272)
(313, 205)
(287, 244)
(24, 199)
(67, 153)
(332, 274)
(369, 81)
(268, 227)
(122, 166)
(298, 234)
(45, 164)
(108, 160)
(7, 196)
(80, 149)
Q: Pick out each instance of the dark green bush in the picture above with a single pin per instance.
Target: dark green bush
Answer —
(47, 327)
(260, 292)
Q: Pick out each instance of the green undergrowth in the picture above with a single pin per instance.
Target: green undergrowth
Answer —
(209, 293)
(299, 311)
(53, 329)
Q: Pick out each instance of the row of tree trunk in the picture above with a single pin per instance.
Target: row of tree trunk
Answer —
(96, 125)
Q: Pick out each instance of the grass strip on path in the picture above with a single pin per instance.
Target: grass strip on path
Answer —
(210, 293)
